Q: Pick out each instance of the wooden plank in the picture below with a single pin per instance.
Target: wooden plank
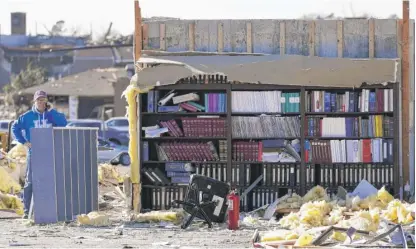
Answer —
(220, 37)
(249, 33)
(162, 33)
(191, 40)
(282, 38)
(145, 35)
(340, 38)
(312, 26)
(405, 91)
(399, 38)
(371, 38)
(137, 31)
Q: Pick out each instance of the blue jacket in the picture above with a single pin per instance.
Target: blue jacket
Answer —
(32, 118)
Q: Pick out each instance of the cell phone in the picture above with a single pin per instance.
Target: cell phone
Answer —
(47, 106)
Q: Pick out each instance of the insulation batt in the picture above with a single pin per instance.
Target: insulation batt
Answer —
(93, 219)
(367, 214)
(11, 202)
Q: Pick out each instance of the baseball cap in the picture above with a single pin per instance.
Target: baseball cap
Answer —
(40, 94)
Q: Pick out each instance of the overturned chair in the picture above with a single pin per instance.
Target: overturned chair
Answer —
(205, 198)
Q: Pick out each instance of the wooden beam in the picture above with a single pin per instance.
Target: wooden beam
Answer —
(312, 26)
(282, 38)
(405, 91)
(145, 35)
(371, 38)
(340, 38)
(249, 38)
(137, 31)
(399, 25)
(220, 41)
(137, 54)
(191, 39)
(162, 32)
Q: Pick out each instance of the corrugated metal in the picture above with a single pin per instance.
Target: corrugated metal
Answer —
(65, 183)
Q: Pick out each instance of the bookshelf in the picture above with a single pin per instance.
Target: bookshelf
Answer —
(321, 125)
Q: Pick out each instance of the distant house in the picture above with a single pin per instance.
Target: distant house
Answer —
(86, 94)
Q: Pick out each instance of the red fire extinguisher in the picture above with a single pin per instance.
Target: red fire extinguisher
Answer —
(233, 210)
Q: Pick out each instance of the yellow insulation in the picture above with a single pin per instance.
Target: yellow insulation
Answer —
(131, 96)
(11, 202)
(7, 183)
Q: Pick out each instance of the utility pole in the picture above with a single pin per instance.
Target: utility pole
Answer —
(135, 169)
(405, 64)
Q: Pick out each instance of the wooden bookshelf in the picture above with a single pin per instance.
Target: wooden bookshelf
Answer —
(307, 173)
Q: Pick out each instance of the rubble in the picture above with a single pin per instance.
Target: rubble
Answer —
(354, 220)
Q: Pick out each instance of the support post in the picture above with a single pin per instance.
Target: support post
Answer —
(137, 54)
(405, 92)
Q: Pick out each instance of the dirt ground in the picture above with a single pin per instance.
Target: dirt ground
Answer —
(121, 233)
(16, 233)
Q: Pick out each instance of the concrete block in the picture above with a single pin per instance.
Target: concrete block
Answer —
(266, 36)
(326, 38)
(356, 38)
(206, 35)
(297, 36)
(385, 39)
(177, 36)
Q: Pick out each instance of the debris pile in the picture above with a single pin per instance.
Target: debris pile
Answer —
(370, 215)
(108, 173)
(93, 219)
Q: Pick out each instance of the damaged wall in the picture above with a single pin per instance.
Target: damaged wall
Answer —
(351, 38)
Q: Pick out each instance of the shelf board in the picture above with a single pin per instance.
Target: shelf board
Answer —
(265, 113)
(194, 87)
(345, 138)
(264, 138)
(162, 162)
(309, 163)
(347, 113)
(275, 163)
(183, 113)
(183, 138)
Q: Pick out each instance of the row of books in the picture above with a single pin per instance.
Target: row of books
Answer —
(215, 102)
(191, 102)
(265, 127)
(284, 175)
(161, 198)
(205, 79)
(266, 151)
(265, 101)
(375, 150)
(380, 100)
(157, 177)
(217, 171)
(187, 151)
(351, 175)
(204, 126)
(373, 126)
(258, 197)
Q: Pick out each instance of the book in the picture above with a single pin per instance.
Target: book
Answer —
(217, 171)
(264, 101)
(186, 151)
(174, 108)
(369, 126)
(215, 102)
(365, 100)
(204, 127)
(265, 126)
(375, 150)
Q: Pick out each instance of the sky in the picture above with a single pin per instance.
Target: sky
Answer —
(85, 15)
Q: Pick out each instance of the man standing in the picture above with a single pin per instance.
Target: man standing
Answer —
(40, 116)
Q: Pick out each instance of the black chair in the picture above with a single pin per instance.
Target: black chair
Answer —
(205, 198)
